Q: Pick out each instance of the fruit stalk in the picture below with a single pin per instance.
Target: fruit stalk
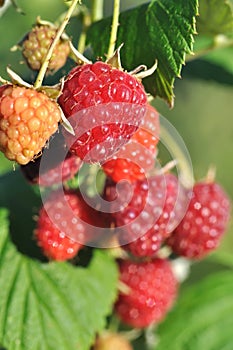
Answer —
(86, 22)
(97, 10)
(115, 24)
(61, 29)
(180, 157)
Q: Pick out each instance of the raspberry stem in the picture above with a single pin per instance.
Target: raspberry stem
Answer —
(114, 324)
(17, 8)
(132, 334)
(123, 288)
(151, 337)
(41, 74)
(170, 138)
(97, 10)
(115, 24)
(86, 22)
(211, 174)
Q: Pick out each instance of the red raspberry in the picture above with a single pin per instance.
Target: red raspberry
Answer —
(204, 223)
(56, 165)
(64, 171)
(36, 45)
(149, 216)
(27, 120)
(112, 341)
(111, 105)
(65, 222)
(152, 292)
(137, 157)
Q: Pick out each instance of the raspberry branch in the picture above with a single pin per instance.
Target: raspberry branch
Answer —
(61, 29)
(86, 22)
(180, 157)
(97, 10)
(115, 24)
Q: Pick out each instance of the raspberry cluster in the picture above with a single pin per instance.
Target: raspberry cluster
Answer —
(143, 209)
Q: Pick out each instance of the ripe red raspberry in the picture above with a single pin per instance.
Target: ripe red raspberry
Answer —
(204, 223)
(36, 45)
(146, 212)
(111, 105)
(152, 292)
(65, 223)
(137, 157)
(112, 341)
(27, 120)
(56, 165)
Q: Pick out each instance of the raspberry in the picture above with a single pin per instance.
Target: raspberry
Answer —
(57, 166)
(36, 45)
(152, 292)
(111, 105)
(137, 157)
(64, 224)
(149, 216)
(112, 341)
(27, 120)
(204, 223)
(64, 171)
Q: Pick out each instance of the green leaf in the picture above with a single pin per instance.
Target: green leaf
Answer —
(202, 318)
(162, 30)
(54, 305)
(216, 17)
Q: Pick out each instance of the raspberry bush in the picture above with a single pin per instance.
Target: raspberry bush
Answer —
(113, 232)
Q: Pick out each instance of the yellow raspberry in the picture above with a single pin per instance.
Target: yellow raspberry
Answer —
(36, 45)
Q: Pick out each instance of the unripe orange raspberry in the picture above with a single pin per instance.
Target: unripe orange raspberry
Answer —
(36, 45)
(27, 120)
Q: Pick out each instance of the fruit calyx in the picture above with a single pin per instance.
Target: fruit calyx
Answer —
(53, 91)
(114, 61)
(139, 72)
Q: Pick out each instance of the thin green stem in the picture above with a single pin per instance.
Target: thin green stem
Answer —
(115, 24)
(132, 334)
(86, 22)
(177, 148)
(114, 324)
(44, 67)
(97, 10)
